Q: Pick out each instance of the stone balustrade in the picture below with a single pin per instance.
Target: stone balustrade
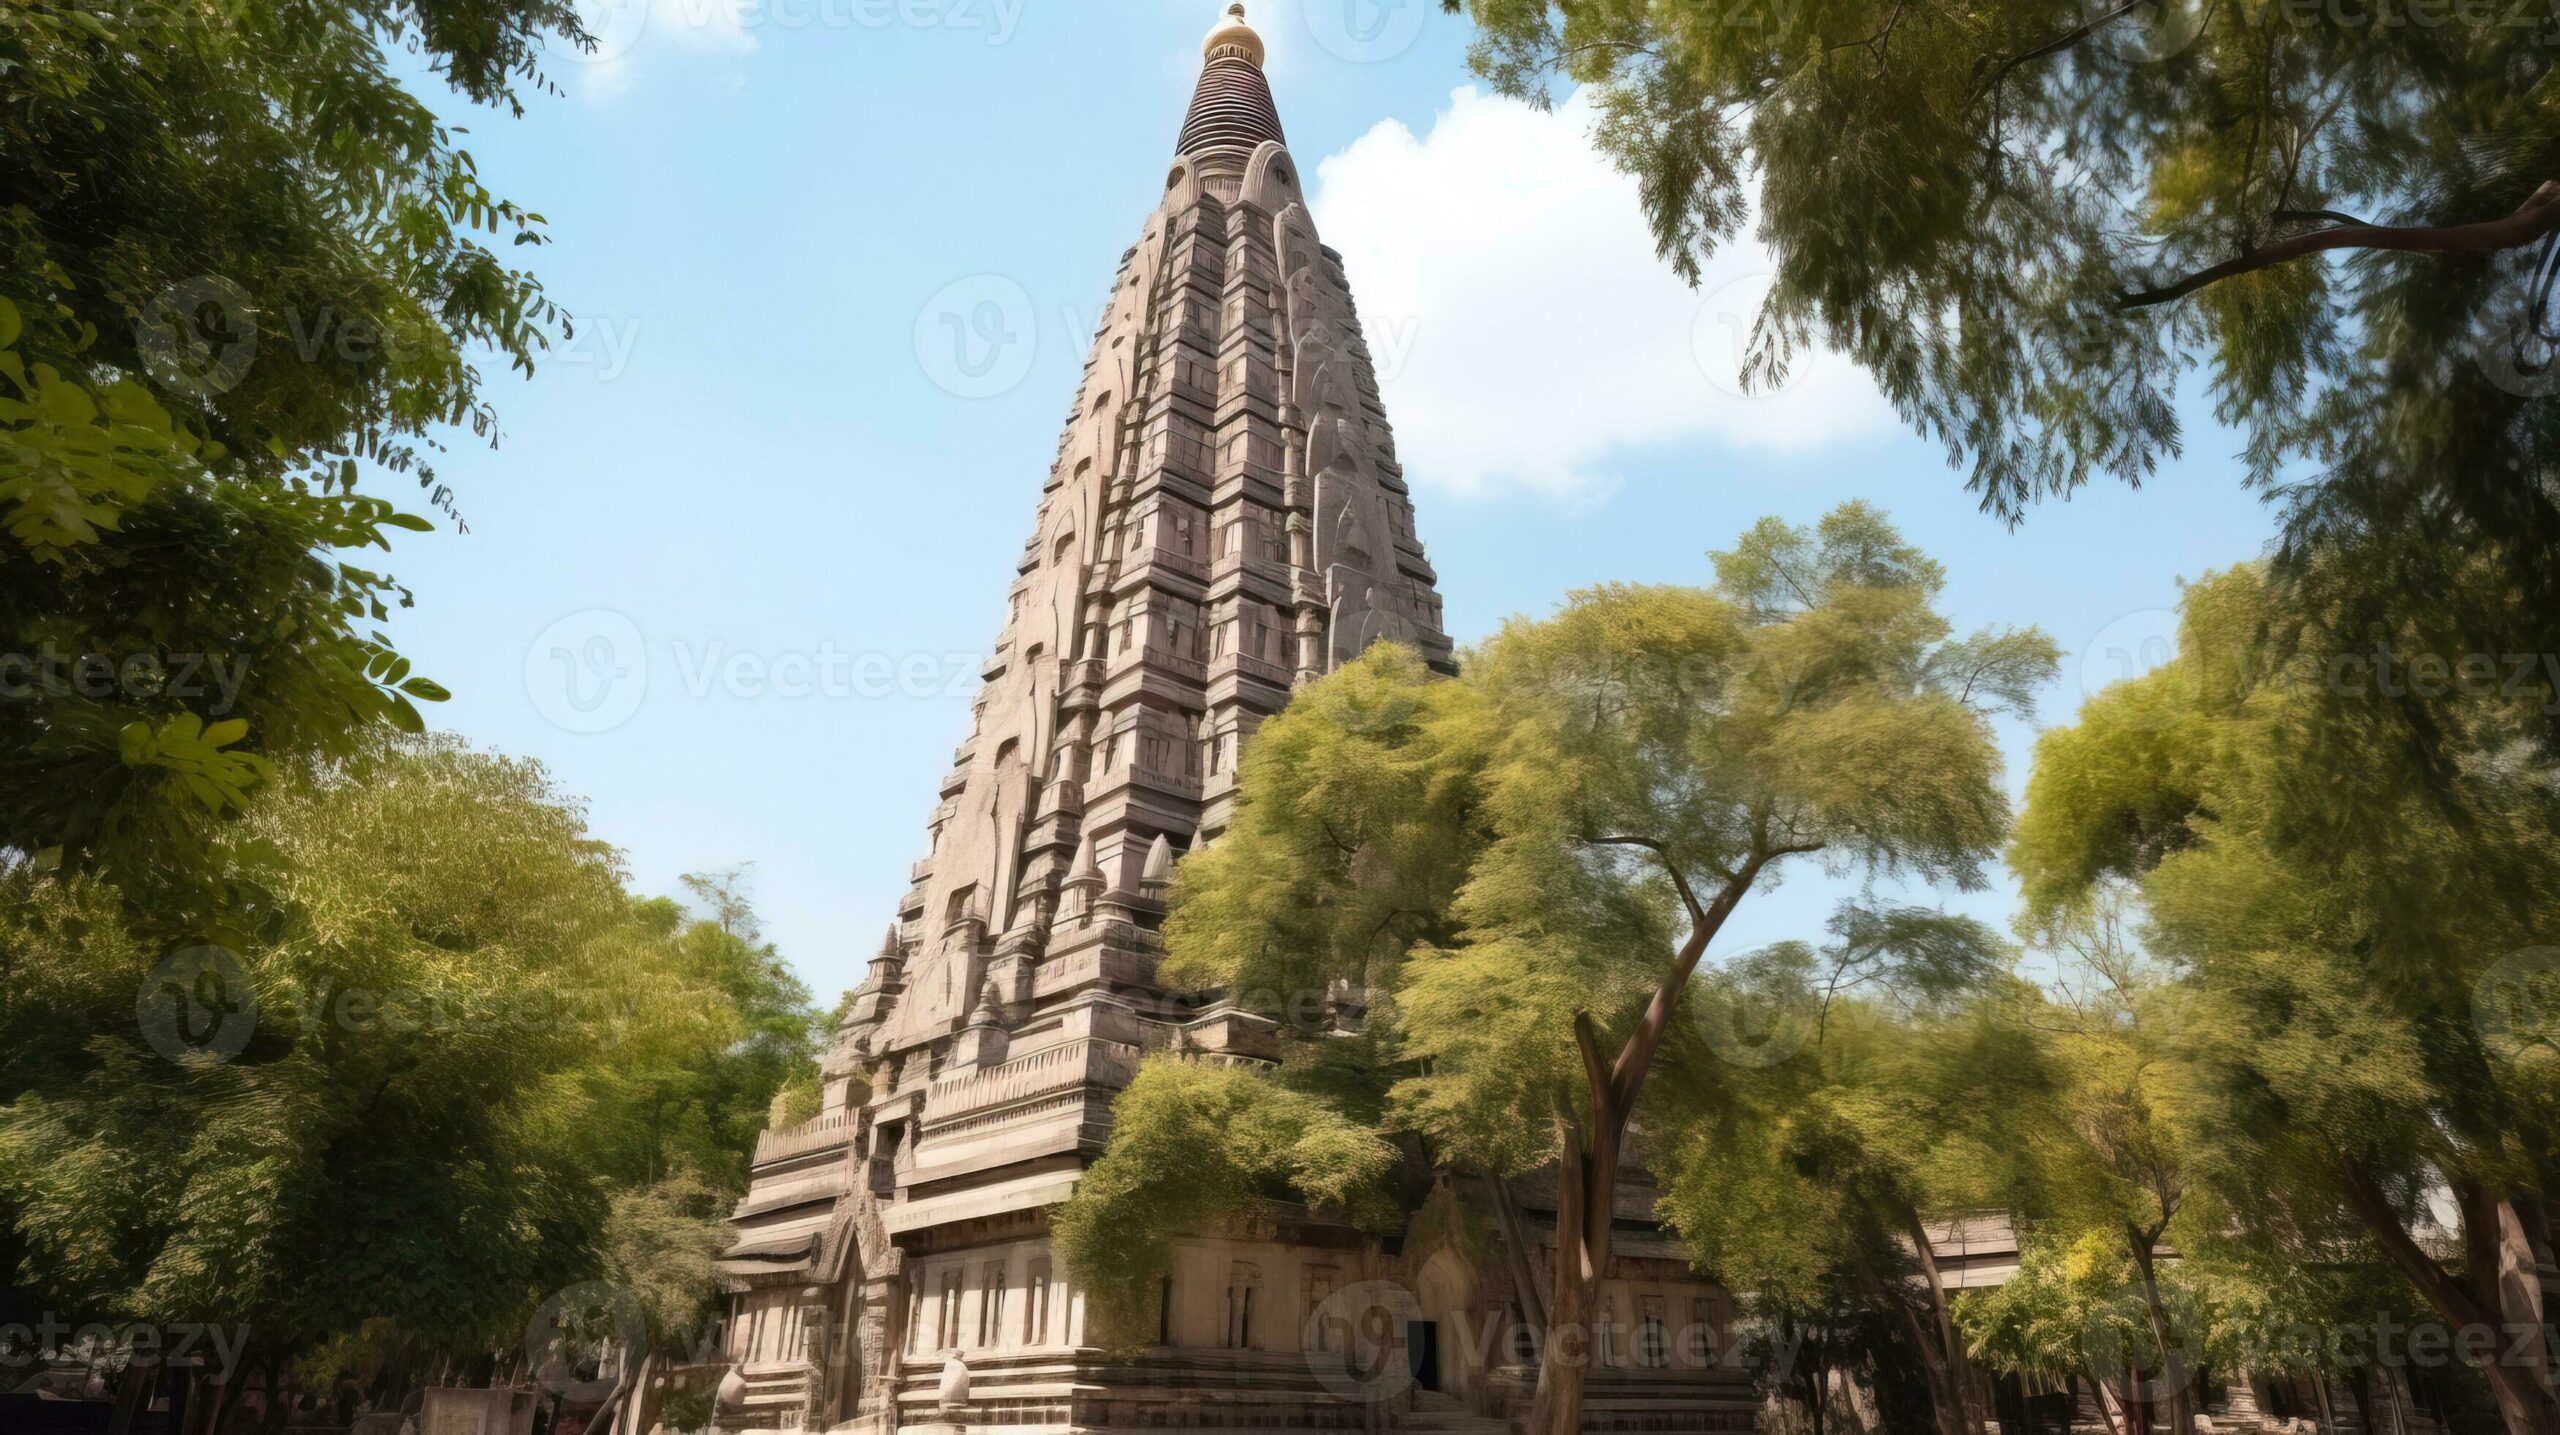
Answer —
(1081, 1062)
(811, 1135)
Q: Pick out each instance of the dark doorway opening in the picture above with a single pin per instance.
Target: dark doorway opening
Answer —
(1422, 1348)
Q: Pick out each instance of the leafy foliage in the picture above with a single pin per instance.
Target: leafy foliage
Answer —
(1192, 1144)
(2071, 1310)
(1822, 1165)
(2030, 220)
(2360, 913)
(2345, 917)
(457, 1095)
(240, 264)
(661, 1249)
(1446, 841)
(145, 689)
(1523, 865)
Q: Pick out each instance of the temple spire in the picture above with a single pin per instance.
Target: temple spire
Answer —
(1232, 108)
(1233, 31)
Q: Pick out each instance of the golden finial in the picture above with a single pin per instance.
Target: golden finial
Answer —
(1233, 32)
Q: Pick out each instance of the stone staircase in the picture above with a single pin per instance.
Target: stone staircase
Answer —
(776, 1398)
(1435, 1413)
(1648, 1402)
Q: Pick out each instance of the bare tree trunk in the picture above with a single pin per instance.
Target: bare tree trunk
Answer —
(2173, 1365)
(2360, 1383)
(218, 1395)
(278, 1371)
(132, 1396)
(638, 1408)
(1515, 1246)
(1957, 1370)
(1817, 1383)
(1587, 1172)
(2526, 1404)
(1564, 1359)
(1946, 1402)
(2523, 1336)
(610, 1410)
(2105, 1413)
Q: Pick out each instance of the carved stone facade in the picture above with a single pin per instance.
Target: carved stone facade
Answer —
(1225, 519)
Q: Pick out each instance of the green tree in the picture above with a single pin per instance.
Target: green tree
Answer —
(2071, 1311)
(2271, 1310)
(2356, 927)
(403, 1089)
(1798, 1352)
(2126, 1175)
(1191, 1144)
(662, 1246)
(1833, 1170)
(144, 690)
(2030, 219)
(705, 1103)
(240, 266)
(1528, 863)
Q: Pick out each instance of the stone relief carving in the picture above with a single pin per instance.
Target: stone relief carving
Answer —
(1354, 537)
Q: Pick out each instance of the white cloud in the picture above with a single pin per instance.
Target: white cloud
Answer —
(626, 31)
(1524, 330)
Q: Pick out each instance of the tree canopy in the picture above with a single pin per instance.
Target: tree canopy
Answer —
(428, 1077)
(2033, 221)
(1524, 864)
(2350, 924)
(241, 269)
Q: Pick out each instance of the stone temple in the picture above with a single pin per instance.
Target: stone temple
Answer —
(1225, 518)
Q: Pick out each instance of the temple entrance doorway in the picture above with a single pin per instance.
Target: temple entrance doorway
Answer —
(1422, 1348)
(1441, 1344)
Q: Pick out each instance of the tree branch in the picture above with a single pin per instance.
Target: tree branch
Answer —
(2441, 1290)
(1595, 1070)
(2061, 42)
(2533, 220)
(1679, 879)
(1515, 1242)
(1635, 1059)
(2308, 216)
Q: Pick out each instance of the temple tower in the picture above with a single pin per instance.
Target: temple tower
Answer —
(1224, 519)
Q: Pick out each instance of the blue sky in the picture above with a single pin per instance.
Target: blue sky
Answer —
(727, 572)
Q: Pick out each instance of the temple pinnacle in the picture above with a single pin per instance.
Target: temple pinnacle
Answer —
(1233, 31)
(1231, 110)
